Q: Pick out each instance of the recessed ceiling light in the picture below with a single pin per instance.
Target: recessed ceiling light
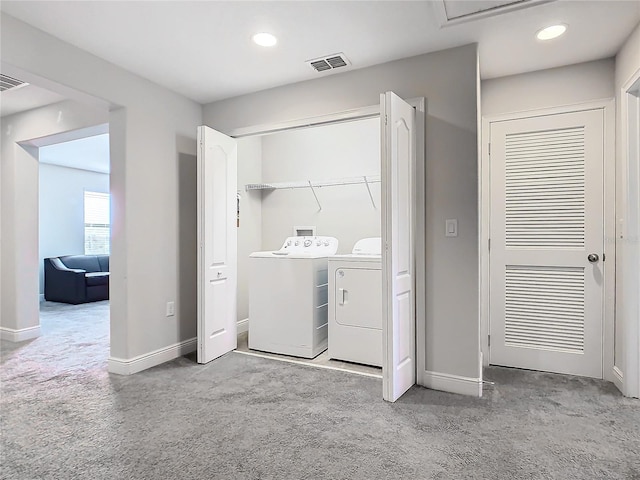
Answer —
(550, 32)
(264, 39)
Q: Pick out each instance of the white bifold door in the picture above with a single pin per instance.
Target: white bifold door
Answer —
(397, 120)
(217, 244)
(547, 243)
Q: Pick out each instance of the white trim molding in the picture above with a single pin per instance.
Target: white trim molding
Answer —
(628, 239)
(121, 366)
(20, 335)
(447, 382)
(344, 116)
(243, 325)
(442, 17)
(618, 378)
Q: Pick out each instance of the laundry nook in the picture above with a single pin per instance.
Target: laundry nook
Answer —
(309, 206)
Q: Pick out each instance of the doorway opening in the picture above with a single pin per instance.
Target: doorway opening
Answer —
(74, 233)
(327, 179)
(69, 176)
(216, 269)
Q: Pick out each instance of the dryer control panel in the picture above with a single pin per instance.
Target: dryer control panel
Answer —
(316, 245)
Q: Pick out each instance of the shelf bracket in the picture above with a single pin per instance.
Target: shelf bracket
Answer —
(366, 182)
(313, 190)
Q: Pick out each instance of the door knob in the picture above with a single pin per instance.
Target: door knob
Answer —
(593, 257)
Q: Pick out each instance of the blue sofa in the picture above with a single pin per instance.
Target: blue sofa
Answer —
(76, 278)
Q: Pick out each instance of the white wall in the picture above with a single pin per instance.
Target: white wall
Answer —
(19, 205)
(627, 65)
(350, 149)
(61, 211)
(583, 82)
(151, 129)
(250, 229)
(448, 80)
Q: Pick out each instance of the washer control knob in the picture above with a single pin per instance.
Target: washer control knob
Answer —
(307, 243)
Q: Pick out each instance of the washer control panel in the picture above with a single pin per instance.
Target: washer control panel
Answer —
(309, 246)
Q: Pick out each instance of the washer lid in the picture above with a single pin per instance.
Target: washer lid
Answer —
(368, 246)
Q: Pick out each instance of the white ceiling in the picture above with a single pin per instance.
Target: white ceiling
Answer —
(203, 49)
(89, 153)
(24, 98)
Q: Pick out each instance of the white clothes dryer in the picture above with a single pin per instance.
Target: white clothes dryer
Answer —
(288, 297)
(355, 304)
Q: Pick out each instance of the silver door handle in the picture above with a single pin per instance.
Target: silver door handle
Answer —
(343, 296)
(593, 257)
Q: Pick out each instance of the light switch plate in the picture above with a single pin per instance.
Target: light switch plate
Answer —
(451, 227)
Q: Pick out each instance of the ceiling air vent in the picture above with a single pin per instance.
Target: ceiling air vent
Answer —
(7, 82)
(329, 62)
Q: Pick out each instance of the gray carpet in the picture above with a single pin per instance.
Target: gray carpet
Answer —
(243, 417)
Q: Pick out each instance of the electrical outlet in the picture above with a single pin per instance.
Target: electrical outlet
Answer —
(171, 309)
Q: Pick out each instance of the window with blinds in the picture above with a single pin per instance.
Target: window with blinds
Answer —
(96, 223)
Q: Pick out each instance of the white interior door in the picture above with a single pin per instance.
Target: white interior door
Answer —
(398, 266)
(547, 243)
(217, 245)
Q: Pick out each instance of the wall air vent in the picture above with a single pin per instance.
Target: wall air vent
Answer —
(7, 82)
(329, 62)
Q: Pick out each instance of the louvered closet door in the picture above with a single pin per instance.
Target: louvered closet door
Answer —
(546, 218)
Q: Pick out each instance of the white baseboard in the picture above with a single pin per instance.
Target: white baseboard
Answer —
(618, 379)
(133, 365)
(452, 383)
(20, 335)
(243, 325)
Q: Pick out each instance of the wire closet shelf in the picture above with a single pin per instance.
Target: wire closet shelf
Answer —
(313, 184)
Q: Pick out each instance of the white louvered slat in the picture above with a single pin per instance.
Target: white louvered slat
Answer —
(544, 187)
(544, 308)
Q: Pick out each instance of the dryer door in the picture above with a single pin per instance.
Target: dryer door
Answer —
(359, 297)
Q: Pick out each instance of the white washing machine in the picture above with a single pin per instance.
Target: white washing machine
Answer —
(355, 304)
(288, 297)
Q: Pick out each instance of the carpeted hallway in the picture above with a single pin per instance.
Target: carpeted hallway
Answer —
(241, 417)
